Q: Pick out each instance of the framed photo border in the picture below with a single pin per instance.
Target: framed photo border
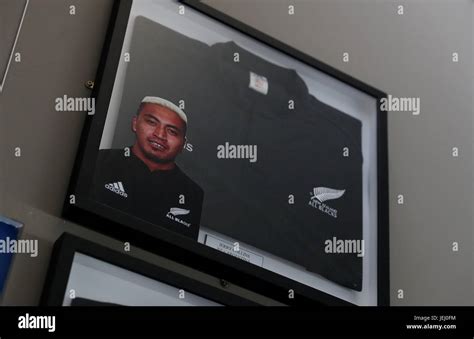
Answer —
(187, 251)
(68, 245)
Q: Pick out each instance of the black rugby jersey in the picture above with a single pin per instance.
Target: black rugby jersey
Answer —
(300, 156)
(165, 198)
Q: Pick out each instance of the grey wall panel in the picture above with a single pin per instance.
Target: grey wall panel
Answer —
(11, 15)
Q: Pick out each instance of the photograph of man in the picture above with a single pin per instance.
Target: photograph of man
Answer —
(143, 180)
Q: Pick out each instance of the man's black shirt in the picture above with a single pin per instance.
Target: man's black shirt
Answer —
(166, 198)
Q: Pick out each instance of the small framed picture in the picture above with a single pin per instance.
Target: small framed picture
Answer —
(236, 154)
(83, 273)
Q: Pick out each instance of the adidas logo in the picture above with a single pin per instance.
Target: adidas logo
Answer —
(117, 187)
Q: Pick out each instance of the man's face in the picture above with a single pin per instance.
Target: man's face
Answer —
(160, 133)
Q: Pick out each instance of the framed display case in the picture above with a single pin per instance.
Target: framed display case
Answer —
(83, 273)
(231, 152)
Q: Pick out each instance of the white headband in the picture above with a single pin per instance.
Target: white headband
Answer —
(167, 104)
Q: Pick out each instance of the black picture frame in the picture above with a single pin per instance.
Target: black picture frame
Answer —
(183, 249)
(68, 245)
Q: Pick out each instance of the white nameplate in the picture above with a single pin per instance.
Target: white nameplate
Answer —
(229, 248)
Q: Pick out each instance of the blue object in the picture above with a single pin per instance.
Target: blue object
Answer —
(9, 230)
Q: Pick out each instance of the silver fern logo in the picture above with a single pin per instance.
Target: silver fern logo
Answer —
(178, 211)
(174, 212)
(321, 194)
